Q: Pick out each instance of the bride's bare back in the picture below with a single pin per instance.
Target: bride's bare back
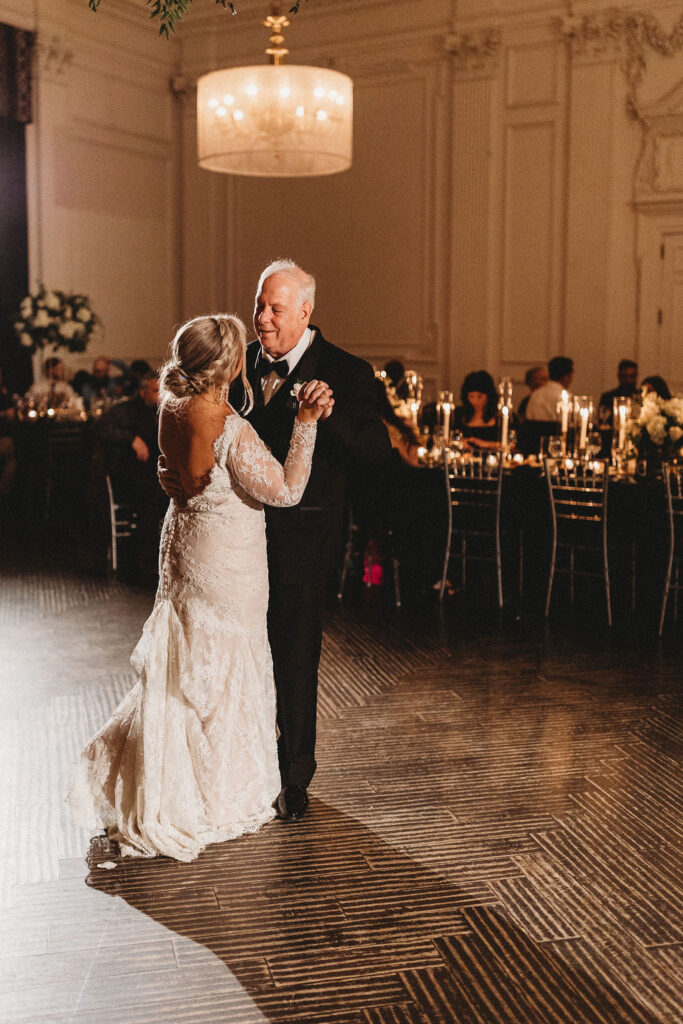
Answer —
(187, 435)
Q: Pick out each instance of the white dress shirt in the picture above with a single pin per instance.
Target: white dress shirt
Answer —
(272, 382)
(542, 404)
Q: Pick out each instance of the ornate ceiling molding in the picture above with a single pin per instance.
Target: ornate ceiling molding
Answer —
(475, 53)
(629, 36)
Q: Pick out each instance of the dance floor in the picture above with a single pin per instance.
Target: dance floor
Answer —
(494, 834)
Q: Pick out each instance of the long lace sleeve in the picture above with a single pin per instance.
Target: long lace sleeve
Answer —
(262, 476)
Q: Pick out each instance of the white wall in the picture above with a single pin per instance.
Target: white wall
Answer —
(504, 204)
(490, 216)
(102, 169)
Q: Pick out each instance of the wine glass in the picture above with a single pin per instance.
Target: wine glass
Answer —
(555, 447)
(593, 444)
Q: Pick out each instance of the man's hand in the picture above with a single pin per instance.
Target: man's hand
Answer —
(169, 481)
(140, 448)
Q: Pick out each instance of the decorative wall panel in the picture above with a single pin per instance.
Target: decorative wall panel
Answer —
(527, 329)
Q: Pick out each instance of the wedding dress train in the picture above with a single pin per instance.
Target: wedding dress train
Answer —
(189, 757)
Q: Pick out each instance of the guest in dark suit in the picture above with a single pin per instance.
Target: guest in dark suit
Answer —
(304, 541)
(129, 433)
(627, 374)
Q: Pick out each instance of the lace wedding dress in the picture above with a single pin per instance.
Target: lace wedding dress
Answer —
(189, 757)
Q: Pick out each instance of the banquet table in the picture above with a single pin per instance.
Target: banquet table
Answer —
(637, 537)
(53, 457)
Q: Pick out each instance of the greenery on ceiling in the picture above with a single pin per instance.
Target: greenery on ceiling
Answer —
(170, 12)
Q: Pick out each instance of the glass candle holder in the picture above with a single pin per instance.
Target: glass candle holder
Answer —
(583, 418)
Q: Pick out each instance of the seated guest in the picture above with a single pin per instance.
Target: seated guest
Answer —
(534, 378)
(543, 402)
(138, 369)
(657, 385)
(100, 383)
(129, 433)
(627, 375)
(401, 434)
(53, 390)
(477, 418)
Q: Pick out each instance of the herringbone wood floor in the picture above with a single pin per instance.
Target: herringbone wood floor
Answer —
(494, 835)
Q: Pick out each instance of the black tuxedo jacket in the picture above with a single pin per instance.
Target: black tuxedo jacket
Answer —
(354, 435)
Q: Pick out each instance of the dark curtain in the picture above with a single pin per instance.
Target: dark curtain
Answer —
(16, 58)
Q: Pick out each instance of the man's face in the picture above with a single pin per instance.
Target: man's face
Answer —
(629, 376)
(100, 368)
(539, 378)
(56, 372)
(150, 392)
(280, 317)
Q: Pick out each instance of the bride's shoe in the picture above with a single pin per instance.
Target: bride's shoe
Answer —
(292, 802)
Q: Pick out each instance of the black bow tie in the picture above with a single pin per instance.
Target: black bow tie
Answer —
(281, 368)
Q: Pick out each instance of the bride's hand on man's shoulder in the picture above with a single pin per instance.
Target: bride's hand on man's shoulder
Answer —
(169, 480)
(316, 401)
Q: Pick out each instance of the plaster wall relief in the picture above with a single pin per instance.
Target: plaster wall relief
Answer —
(474, 63)
(613, 53)
(531, 200)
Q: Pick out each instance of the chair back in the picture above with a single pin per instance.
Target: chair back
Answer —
(673, 486)
(474, 485)
(577, 489)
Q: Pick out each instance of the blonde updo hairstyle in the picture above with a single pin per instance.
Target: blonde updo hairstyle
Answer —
(205, 355)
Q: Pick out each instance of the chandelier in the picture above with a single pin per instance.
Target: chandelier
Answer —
(275, 120)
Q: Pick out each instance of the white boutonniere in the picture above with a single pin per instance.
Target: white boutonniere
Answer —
(293, 402)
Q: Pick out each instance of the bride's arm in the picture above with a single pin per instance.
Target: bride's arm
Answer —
(262, 476)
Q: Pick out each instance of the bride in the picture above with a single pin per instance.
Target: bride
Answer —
(189, 757)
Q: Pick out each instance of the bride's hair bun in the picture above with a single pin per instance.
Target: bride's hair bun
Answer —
(206, 354)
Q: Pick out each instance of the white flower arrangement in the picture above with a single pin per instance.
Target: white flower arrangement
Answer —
(659, 423)
(52, 317)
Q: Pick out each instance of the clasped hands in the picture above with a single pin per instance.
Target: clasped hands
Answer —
(315, 403)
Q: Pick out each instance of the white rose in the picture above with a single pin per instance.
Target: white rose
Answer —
(675, 433)
(26, 307)
(84, 315)
(296, 388)
(674, 408)
(68, 330)
(51, 301)
(26, 340)
(41, 319)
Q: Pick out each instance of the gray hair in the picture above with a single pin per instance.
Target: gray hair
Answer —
(288, 268)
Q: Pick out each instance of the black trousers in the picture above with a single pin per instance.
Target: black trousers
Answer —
(303, 546)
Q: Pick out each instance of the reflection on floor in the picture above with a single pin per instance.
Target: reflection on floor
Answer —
(494, 836)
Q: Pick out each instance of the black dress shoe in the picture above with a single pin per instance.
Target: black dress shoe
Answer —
(292, 803)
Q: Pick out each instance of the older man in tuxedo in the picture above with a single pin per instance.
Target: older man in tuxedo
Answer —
(303, 541)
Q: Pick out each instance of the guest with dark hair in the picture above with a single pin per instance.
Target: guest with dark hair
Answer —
(543, 402)
(477, 417)
(627, 375)
(657, 385)
(129, 433)
(534, 378)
